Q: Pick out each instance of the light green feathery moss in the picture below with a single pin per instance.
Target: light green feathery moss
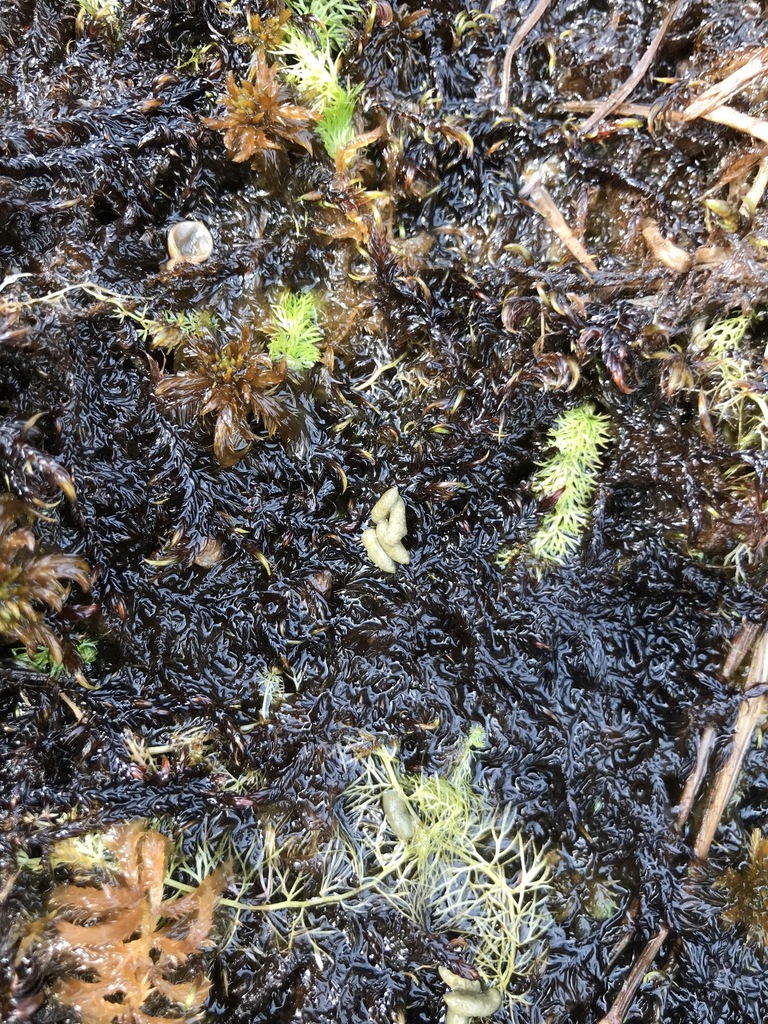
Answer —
(577, 438)
(310, 64)
(294, 331)
(460, 868)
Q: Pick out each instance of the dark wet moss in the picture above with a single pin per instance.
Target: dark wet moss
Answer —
(592, 681)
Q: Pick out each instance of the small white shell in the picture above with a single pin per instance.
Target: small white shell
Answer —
(383, 506)
(473, 1004)
(375, 551)
(398, 815)
(189, 241)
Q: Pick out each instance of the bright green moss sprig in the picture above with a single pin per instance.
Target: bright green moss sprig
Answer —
(310, 63)
(577, 437)
(43, 661)
(335, 126)
(294, 331)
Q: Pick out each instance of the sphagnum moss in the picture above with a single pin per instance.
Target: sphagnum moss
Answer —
(294, 331)
(310, 65)
(570, 473)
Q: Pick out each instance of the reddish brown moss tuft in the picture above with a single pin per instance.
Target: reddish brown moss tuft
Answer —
(260, 115)
(135, 950)
(31, 583)
(233, 380)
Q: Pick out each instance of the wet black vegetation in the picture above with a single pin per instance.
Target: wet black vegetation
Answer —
(592, 681)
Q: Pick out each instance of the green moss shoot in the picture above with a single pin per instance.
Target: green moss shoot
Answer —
(335, 126)
(571, 471)
(310, 65)
(43, 660)
(332, 20)
(294, 330)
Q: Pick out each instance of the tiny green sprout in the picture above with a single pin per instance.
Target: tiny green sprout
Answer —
(570, 472)
(95, 14)
(173, 329)
(197, 58)
(272, 690)
(310, 63)
(43, 660)
(335, 126)
(294, 331)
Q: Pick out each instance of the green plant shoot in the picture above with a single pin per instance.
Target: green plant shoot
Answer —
(310, 63)
(577, 439)
(294, 331)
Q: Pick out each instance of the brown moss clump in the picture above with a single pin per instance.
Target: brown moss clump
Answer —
(260, 115)
(31, 583)
(747, 891)
(137, 954)
(233, 380)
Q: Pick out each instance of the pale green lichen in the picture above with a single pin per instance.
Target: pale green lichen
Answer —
(733, 386)
(576, 438)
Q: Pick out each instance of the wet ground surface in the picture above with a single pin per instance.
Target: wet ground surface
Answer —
(592, 680)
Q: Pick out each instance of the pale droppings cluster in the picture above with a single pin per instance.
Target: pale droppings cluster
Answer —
(383, 541)
(467, 999)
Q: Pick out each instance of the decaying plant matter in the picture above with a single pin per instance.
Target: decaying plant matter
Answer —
(137, 954)
(233, 380)
(261, 116)
(747, 891)
(32, 583)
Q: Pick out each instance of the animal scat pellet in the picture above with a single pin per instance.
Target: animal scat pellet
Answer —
(398, 815)
(452, 1017)
(396, 551)
(396, 525)
(392, 544)
(376, 552)
(384, 505)
(473, 1004)
(456, 983)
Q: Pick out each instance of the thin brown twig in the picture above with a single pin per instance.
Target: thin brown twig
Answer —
(541, 200)
(750, 712)
(717, 95)
(517, 41)
(627, 87)
(634, 979)
(745, 123)
(697, 776)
